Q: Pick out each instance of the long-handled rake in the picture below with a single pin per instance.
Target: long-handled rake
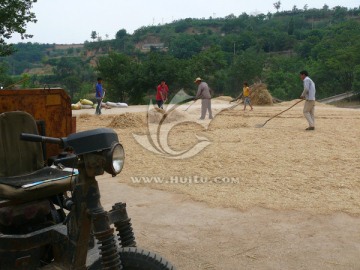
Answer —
(261, 125)
(190, 105)
(236, 104)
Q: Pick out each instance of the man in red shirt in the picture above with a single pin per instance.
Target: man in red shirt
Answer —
(161, 94)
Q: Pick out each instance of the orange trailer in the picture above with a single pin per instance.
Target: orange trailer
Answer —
(50, 107)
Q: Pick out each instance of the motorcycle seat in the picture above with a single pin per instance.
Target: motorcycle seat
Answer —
(42, 183)
(44, 175)
(22, 173)
(18, 157)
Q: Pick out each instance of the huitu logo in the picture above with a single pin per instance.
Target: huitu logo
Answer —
(160, 123)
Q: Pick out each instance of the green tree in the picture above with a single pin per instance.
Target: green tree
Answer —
(14, 16)
(209, 64)
(247, 66)
(70, 73)
(339, 14)
(65, 67)
(291, 26)
(185, 46)
(86, 90)
(121, 34)
(72, 84)
(93, 35)
(5, 79)
(277, 5)
(305, 47)
(116, 70)
(356, 83)
(282, 76)
(336, 57)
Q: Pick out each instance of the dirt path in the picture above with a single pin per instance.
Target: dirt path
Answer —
(295, 204)
(194, 236)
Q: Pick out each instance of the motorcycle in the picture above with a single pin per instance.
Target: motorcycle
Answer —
(50, 216)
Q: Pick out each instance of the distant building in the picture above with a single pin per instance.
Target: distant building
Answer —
(67, 46)
(158, 46)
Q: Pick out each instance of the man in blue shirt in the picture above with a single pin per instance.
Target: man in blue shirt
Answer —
(99, 95)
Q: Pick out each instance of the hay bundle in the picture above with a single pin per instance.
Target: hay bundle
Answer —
(127, 120)
(260, 95)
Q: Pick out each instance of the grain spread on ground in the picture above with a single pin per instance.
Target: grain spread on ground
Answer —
(287, 211)
(280, 166)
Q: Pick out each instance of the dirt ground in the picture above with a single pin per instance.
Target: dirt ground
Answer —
(226, 194)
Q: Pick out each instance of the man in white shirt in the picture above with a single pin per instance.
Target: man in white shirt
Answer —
(309, 95)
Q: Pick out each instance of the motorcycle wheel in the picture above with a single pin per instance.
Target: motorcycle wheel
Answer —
(133, 258)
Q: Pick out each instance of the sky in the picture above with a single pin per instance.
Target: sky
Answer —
(72, 21)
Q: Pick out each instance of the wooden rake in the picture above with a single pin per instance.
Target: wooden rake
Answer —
(261, 125)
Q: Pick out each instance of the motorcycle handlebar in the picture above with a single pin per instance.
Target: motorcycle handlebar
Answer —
(38, 138)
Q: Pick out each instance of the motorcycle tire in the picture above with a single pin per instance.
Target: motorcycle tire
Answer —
(133, 258)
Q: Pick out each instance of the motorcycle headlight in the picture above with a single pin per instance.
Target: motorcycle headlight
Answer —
(115, 158)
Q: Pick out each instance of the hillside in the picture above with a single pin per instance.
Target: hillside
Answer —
(269, 48)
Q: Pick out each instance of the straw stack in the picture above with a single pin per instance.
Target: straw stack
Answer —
(260, 94)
